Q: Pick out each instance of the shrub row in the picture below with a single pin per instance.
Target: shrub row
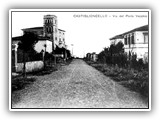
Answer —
(133, 79)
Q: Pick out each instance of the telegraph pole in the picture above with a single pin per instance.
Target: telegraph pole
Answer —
(72, 49)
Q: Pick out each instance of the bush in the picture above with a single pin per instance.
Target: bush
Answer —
(115, 55)
(133, 79)
(31, 55)
(20, 83)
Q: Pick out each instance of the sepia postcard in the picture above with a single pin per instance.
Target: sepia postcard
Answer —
(80, 60)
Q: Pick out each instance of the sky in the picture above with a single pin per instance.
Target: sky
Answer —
(87, 31)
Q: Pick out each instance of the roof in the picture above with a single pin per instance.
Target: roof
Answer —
(18, 38)
(38, 28)
(62, 30)
(142, 28)
(43, 38)
(117, 37)
(33, 28)
(50, 16)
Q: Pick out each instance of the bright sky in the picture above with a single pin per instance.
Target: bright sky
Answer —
(87, 34)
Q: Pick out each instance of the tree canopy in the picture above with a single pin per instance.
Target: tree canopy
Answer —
(29, 39)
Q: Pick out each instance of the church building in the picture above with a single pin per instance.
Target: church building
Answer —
(51, 39)
(49, 34)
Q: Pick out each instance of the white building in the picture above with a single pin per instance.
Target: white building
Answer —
(61, 35)
(135, 42)
(118, 38)
(39, 46)
(48, 35)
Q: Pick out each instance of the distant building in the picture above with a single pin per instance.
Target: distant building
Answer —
(88, 56)
(135, 42)
(48, 35)
(92, 56)
(61, 42)
(50, 39)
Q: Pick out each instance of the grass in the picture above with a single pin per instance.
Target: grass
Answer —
(134, 80)
(20, 82)
(45, 71)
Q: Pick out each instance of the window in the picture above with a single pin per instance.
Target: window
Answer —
(145, 38)
(125, 41)
(129, 42)
(51, 29)
(47, 29)
(132, 39)
(45, 21)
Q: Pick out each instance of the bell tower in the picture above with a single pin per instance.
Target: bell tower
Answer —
(50, 28)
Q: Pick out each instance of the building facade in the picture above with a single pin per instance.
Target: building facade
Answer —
(50, 37)
(135, 42)
(118, 38)
(92, 57)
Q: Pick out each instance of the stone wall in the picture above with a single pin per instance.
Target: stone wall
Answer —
(30, 66)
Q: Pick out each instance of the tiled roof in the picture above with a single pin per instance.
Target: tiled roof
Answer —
(39, 38)
(33, 28)
(38, 28)
(43, 38)
(16, 38)
(61, 30)
(117, 37)
(142, 28)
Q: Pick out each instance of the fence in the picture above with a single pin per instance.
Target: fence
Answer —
(30, 66)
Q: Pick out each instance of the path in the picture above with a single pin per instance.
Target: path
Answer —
(77, 86)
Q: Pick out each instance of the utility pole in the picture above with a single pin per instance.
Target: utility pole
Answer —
(72, 49)
(44, 55)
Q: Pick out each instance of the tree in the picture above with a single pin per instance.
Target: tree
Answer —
(68, 53)
(27, 43)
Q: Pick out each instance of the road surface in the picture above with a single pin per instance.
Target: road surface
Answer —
(77, 85)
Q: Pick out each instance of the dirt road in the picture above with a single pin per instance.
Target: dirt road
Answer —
(77, 85)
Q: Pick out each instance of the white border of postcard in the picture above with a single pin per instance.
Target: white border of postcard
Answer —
(92, 109)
